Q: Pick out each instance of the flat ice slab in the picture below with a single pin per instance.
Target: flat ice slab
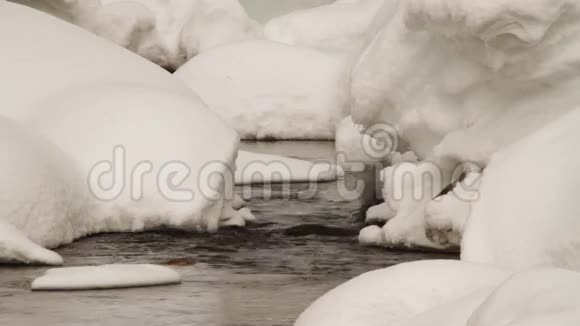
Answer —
(105, 277)
(264, 168)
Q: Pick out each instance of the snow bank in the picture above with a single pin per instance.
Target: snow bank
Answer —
(160, 171)
(527, 214)
(263, 168)
(267, 90)
(534, 298)
(388, 296)
(105, 277)
(35, 67)
(445, 73)
(41, 194)
(167, 32)
(342, 25)
(460, 81)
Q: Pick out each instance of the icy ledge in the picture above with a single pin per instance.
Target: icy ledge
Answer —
(105, 277)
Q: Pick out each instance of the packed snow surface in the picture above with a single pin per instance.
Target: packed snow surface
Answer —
(528, 211)
(264, 168)
(392, 295)
(267, 90)
(105, 277)
(343, 25)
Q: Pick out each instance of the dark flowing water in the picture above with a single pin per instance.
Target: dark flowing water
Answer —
(263, 275)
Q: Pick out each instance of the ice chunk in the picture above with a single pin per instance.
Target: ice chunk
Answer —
(265, 168)
(267, 90)
(388, 296)
(105, 277)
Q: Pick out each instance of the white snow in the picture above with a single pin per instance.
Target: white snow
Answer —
(41, 192)
(160, 171)
(15, 247)
(105, 277)
(461, 80)
(264, 168)
(114, 125)
(35, 67)
(539, 297)
(167, 32)
(453, 313)
(527, 214)
(388, 296)
(358, 146)
(341, 26)
(267, 90)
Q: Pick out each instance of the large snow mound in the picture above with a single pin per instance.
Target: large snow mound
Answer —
(167, 32)
(267, 90)
(461, 80)
(105, 277)
(392, 295)
(527, 214)
(342, 25)
(149, 162)
(35, 67)
(41, 192)
(538, 297)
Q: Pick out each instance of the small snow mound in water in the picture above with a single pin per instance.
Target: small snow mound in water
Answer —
(15, 247)
(105, 277)
(371, 236)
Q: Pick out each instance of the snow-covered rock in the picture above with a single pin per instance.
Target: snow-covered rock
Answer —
(342, 25)
(41, 196)
(264, 168)
(539, 297)
(35, 67)
(267, 90)
(105, 277)
(392, 295)
(527, 214)
(145, 153)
